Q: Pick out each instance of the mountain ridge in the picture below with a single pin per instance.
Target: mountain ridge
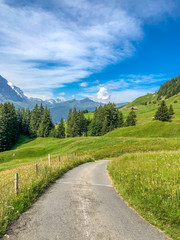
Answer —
(58, 108)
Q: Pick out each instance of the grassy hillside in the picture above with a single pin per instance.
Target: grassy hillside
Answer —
(146, 112)
(135, 149)
(23, 158)
(146, 125)
(148, 130)
(98, 147)
(150, 183)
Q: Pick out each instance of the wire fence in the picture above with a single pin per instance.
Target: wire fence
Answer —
(13, 182)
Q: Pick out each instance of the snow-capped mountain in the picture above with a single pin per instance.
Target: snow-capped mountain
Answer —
(10, 92)
(59, 109)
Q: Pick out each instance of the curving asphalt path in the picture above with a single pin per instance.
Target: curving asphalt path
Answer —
(82, 205)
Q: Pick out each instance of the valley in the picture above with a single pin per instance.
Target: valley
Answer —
(89, 120)
(145, 149)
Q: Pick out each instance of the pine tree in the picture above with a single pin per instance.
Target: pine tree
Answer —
(171, 110)
(69, 123)
(41, 110)
(105, 127)
(162, 113)
(46, 124)
(3, 137)
(95, 128)
(95, 114)
(60, 131)
(26, 119)
(19, 119)
(75, 123)
(120, 120)
(82, 124)
(113, 116)
(9, 131)
(131, 119)
(106, 118)
(35, 120)
(11, 121)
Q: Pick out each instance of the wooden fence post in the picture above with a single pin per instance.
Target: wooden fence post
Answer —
(59, 159)
(36, 169)
(16, 184)
(49, 158)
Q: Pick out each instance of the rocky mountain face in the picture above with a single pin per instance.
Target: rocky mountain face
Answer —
(10, 92)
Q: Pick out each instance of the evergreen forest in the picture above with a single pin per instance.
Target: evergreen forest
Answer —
(38, 123)
(169, 88)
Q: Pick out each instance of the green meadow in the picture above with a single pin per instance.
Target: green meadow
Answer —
(97, 147)
(150, 183)
(145, 166)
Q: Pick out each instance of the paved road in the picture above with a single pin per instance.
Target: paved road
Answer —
(82, 205)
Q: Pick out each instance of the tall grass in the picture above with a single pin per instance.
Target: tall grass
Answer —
(97, 147)
(23, 158)
(150, 183)
(31, 186)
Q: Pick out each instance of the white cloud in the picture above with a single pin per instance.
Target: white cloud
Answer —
(103, 94)
(78, 45)
(80, 38)
(127, 95)
(40, 94)
(83, 84)
(62, 94)
(126, 89)
(61, 98)
(129, 81)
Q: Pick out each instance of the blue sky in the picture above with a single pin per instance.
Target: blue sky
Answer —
(106, 50)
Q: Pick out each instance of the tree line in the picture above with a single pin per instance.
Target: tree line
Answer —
(35, 123)
(106, 118)
(163, 113)
(38, 123)
(169, 88)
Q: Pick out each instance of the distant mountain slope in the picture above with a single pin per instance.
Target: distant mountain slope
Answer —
(62, 109)
(148, 99)
(166, 91)
(58, 108)
(11, 93)
(169, 88)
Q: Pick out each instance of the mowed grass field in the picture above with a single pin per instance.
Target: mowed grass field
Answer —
(144, 158)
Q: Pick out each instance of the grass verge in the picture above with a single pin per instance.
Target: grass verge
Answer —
(150, 183)
(31, 185)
